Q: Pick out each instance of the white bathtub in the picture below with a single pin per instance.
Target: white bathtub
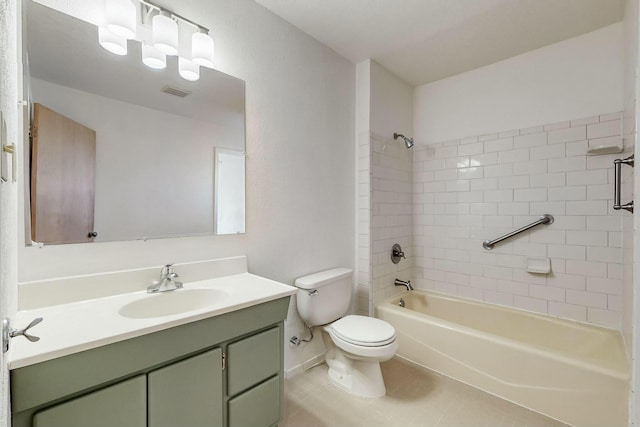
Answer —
(570, 371)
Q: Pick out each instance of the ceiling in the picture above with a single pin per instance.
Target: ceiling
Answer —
(422, 41)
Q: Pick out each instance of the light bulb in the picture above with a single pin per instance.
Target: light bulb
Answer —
(112, 42)
(153, 58)
(188, 70)
(165, 33)
(202, 49)
(121, 18)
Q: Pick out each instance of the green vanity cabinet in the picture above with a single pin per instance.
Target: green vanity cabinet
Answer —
(250, 404)
(244, 371)
(221, 371)
(257, 407)
(122, 405)
(187, 393)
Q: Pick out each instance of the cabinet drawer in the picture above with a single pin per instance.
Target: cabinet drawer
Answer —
(257, 407)
(253, 359)
(122, 405)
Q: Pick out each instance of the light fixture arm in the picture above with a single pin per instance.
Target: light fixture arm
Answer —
(150, 6)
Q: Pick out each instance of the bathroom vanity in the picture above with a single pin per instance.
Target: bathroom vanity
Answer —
(221, 365)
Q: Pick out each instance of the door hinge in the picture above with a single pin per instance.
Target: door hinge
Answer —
(224, 361)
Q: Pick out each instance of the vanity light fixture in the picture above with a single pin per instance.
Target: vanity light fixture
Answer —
(188, 70)
(120, 24)
(120, 18)
(153, 58)
(112, 42)
(202, 48)
(165, 33)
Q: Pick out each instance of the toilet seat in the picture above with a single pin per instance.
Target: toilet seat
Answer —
(363, 331)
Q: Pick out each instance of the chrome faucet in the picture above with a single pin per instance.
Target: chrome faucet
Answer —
(405, 283)
(167, 281)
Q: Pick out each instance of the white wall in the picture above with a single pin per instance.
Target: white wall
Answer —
(300, 164)
(631, 223)
(391, 103)
(629, 135)
(363, 96)
(579, 77)
(8, 191)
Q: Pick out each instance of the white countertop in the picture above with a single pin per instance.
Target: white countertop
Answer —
(83, 325)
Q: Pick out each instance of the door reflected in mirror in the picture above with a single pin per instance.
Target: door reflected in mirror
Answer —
(164, 165)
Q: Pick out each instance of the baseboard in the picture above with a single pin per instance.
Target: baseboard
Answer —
(304, 366)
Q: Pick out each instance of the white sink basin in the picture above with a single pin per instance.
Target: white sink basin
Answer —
(172, 302)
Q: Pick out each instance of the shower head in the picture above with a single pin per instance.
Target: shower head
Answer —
(408, 142)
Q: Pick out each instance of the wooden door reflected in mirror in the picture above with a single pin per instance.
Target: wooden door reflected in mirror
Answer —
(62, 179)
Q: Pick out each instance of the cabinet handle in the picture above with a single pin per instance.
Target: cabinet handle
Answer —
(617, 181)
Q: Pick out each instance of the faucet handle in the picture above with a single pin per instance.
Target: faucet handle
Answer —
(166, 270)
(397, 253)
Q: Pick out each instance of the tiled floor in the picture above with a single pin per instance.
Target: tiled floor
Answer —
(415, 397)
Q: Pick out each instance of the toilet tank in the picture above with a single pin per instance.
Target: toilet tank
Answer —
(324, 296)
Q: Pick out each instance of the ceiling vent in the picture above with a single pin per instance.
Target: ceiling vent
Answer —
(172, 90)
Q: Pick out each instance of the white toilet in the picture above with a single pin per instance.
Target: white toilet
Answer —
(356, 344)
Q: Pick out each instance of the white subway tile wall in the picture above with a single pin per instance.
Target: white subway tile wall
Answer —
(363, 291)
(387, 214)
(482, 187)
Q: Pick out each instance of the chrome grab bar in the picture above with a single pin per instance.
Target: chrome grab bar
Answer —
(544, 219)
(617, 180)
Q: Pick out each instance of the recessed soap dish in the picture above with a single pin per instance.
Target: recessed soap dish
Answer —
(539, 265)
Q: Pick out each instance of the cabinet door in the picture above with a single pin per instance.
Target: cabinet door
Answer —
(253, 359)
(122, 405)
(187, 393)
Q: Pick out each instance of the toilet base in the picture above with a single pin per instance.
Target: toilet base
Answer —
(355, 376)
(364, 380)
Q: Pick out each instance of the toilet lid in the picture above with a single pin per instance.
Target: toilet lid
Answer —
(364, 331)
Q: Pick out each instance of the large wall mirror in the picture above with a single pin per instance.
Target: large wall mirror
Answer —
(123, 152)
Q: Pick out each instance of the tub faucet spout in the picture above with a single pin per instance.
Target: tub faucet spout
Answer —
(405, 283)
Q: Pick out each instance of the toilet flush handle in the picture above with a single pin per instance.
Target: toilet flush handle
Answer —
(313, 293)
